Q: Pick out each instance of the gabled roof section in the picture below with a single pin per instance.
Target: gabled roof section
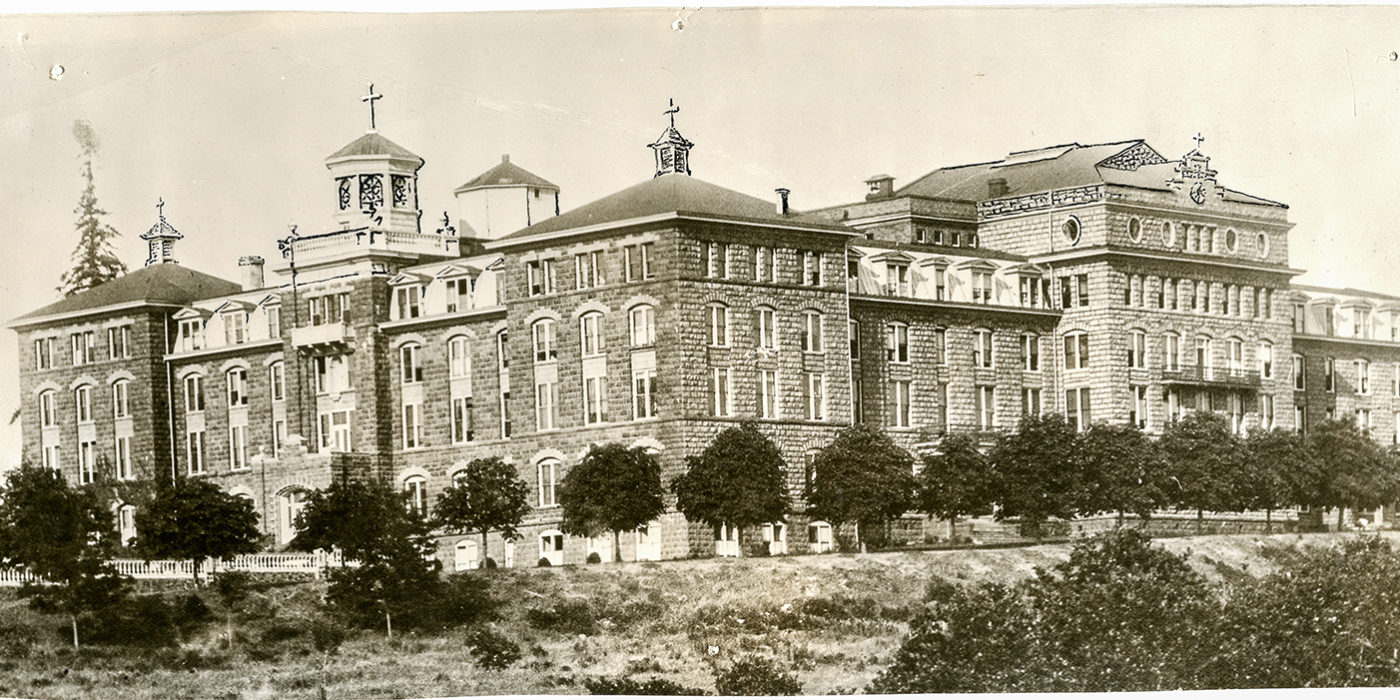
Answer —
(1055, 167)
(505, 174)
(165, 284)
(677, 194)
(457, 270)
(235, 304)
(192, 312)
(409, 278)
(1344, 291)
(896, 256)
(373, 144)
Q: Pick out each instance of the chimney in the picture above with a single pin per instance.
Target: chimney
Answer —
(252, 268)
(783, 193)
(997, 187)
(881, 186)
(505, 157)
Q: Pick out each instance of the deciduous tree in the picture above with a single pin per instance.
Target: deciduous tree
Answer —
(738, 480)
(1354, 472)
(957, 481)
(862, 477)
(1039, 473)
(1205, 462)
(61, 535)
(1123, 472)
(614, 488)
(1281, 465)
(195, 519)
(488, 495)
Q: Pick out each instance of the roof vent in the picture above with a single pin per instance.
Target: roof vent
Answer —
(505, 157)
(997, 187)
(881, 186)
(783, 193)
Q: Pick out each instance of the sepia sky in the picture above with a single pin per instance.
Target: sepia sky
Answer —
(228, 117)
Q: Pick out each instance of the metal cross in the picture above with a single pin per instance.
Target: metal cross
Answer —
(160, 208)
(1198, 139)
(672, 112)
(370, 98)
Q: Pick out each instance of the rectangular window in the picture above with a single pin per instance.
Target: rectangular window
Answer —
(897, 279)
(43, 353)
(763, 267)
(1077, 411)
(121, 454)
(588, 270)
(334, 431)
(1031, 401)
(274, 321)
(546, 405)
(1300, 420)
(332, 374)
(505, 414)
(87, 462)
(642, 322)
(716, 259)
(48, 414)
(857, 401)
(1266, 360)
(279, 435)
(853, 332)
(1236, 358)
(83, 350)
(412, 426)
(462, 419)
(595, 400)
(1266, 412)
(237, 387)
(1137, 349)
(238, 447)
(981, 287)
(897, 342)
(1173, 352)
(459, 360)
(82, 397)
(1329, 374)
(982, 355)
(502, 356)
(1082, 285)
(331, 308)
(767, 394)
(899, 404)
(194, 451)
(542, 333)
(1030, 352)
(51, 457)
(121, 406)
(410, 366)
(940, 346)
(1138, 414)
(637, 260)
(644, 394)
(986, 407)
(234, 328)
(1363, 376)
(814, 395)
(812, 268)
(591, 332)
(194, 393)
(720, 391)
(118, 343)
(1299, 375)
(459, 294)
(191, 335)
(940, 284)
(406, 302)
(719, 326)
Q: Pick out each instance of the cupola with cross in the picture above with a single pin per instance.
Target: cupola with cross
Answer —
(672, 150)
(1193, 176)
(376, 181)
(160, 239)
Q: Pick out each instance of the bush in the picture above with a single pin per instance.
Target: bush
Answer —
(492, 649)
(593, 558)
(755, 675)
(623, 685)
(571, 617)
(193, 613)
(462, 599)
(544, 561)
(327, 635)
(488, 563)
(233, 586)
(144, 622)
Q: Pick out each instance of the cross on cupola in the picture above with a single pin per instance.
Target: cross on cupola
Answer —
(369, 99)
(160, 239)
(1199, 139)
(672, 150)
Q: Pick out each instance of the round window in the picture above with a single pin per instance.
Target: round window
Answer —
(1168, 234)
(1263, 243)
(1232, 240)
(1135, 229)
(1071, 230)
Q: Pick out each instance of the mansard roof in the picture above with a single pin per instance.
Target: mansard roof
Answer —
(505, 174)
(166, 283)
(676, 194)
(1130, 163)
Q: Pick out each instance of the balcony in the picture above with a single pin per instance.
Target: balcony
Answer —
(1211, 376)
(325, 335)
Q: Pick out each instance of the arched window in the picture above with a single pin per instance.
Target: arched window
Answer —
(126, 524)
(812, 331)
(552, 547)
(982, 352)
(1137, 349)
(547, 479)
(767, 327)
(194, 393)
(1205, 355)
(503, 349)
(642, 324)
(276, 379)
(819, 536)
(459, 478)
(237, 381)
(121, 405)
(1171, 351)
(897, 342)
(542, 335)
(416, 488)
(1266, 360)
(82, 396)
(1236, 356)
(410, 363)
(459, 357)
(591, 332)
(1076, 350)
(719, 325)
(48, 409)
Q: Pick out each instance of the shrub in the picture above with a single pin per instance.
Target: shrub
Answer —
(462, 599)
(571, 617)
(756, 675)
(544, 561)
(143, 621)
(233, 586)
(488, 563)
(193, 613)
(492, 649)
(623, 685)
(327, 635)
(593, 558)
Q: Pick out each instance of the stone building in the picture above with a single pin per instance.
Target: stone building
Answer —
(1104, 282)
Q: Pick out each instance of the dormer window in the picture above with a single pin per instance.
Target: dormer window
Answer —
(459, 294)
(897, 279)
(981, 287)
(406, 301)
(191, 334)
(234, 331)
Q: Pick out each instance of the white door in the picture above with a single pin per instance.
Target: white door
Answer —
(466, 556)
(726, 541)
(649, 542)
(552, 547)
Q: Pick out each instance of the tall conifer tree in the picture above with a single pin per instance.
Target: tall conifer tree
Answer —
(94, 261)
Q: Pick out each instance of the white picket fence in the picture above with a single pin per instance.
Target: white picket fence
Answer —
(313, 563)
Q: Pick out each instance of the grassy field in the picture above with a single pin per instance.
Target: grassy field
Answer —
(835, 620)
